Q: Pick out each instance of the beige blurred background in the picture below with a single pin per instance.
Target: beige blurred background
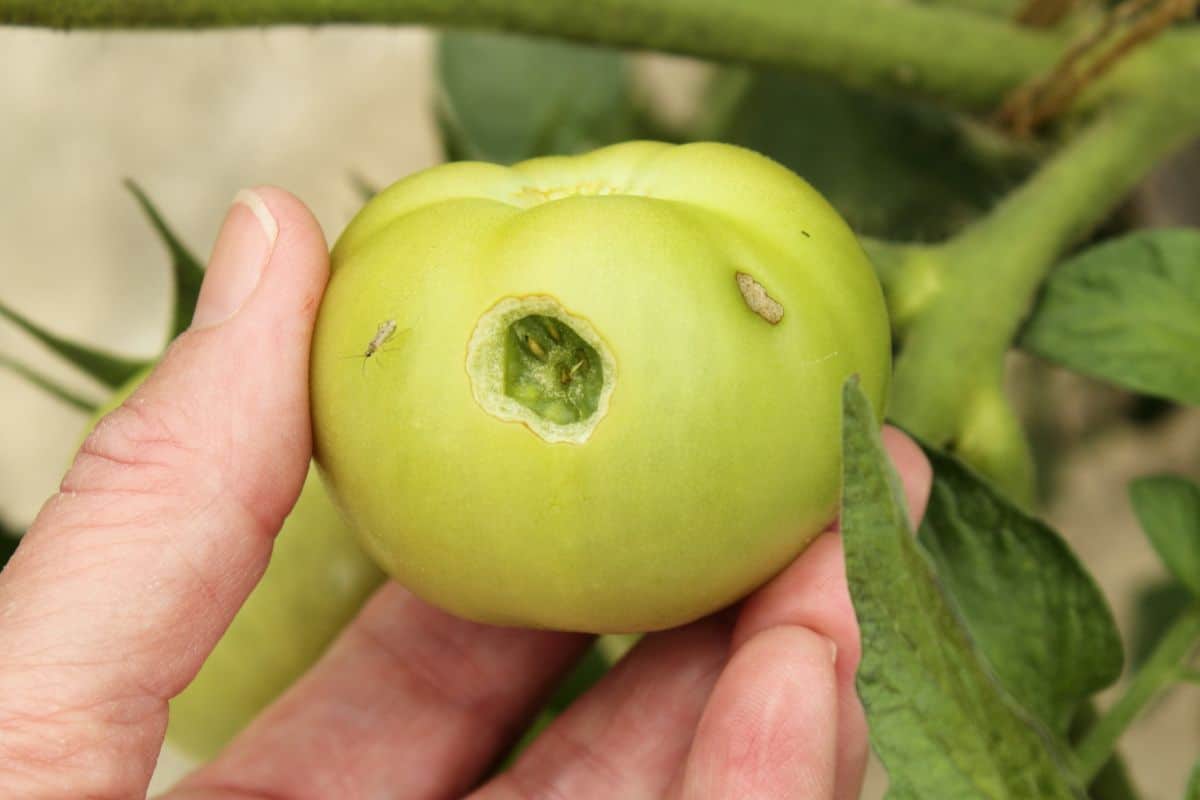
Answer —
(195, 117)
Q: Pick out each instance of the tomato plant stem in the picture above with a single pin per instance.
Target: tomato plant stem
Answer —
(953, 54)
(988, 273)
(1164, 667)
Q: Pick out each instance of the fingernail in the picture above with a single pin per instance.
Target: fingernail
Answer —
(241, 253)
(832, 650)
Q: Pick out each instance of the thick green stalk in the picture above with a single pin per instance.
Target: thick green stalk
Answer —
(1113, 781)
(996, 7)
(991, 271)
(953, 54)
(1160, 671)
(910, 275)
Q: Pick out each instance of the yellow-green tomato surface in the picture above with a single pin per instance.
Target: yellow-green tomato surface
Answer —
(317, 579)
(712, 457)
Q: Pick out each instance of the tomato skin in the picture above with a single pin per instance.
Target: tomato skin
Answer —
(315, 583)
(715, 459)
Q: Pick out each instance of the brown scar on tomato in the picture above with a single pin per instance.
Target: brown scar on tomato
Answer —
(758, 300)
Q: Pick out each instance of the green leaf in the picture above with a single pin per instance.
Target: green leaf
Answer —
(587, 672)
(1168, 507)
(364, 188)
(893, 168)
(590, 669)
(49, 385)
(454, 148)
(1155, 606)
(110, 369)
(614, 646)
(505, 98)
(188, 272)
(9, 539)
(1193, 784)
(941, 724)
(1113, 782)
(1036, 615)
(1128, 312)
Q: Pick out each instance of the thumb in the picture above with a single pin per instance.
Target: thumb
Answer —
(165, 521)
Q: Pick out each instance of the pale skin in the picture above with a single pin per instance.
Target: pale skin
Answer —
(165, 522)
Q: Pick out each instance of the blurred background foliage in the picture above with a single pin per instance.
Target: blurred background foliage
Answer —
(895, 169)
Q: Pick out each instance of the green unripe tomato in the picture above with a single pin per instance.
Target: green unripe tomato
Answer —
(596, 393)
(316, 581)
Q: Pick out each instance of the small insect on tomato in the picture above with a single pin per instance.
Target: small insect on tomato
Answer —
(383, 335)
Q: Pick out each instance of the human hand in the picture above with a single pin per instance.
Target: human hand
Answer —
(165, 522)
